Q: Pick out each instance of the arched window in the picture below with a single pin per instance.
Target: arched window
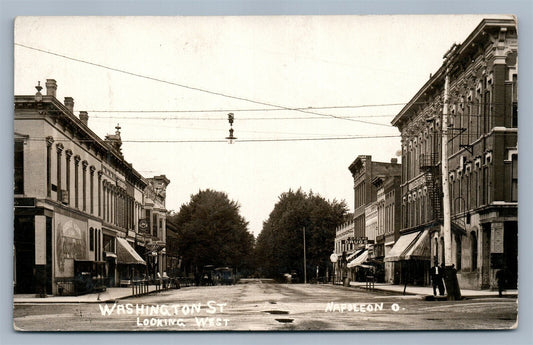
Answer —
(473, 250)
(91, 239)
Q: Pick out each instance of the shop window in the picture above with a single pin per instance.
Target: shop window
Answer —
(109, 243)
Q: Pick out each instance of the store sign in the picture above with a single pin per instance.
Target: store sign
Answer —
(143, 225)
(357, 240)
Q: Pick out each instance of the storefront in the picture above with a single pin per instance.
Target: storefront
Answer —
(130, 265)
(409, 259)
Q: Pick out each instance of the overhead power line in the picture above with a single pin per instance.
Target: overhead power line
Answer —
(225, 118)
(246, 110)
(196, 88)
(240, 140)
(285, 109)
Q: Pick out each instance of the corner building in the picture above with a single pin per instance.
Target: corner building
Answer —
(77, 202)
(482, 158)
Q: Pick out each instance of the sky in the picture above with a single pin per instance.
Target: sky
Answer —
(171, 81)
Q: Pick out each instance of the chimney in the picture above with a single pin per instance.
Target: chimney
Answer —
(69, 103)
(394, 160)
(51, 87)
(84, 117)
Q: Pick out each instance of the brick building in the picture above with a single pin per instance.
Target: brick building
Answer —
(356, 241)
(482, 157)
(78, 202)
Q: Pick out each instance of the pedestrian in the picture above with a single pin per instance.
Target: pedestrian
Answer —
(436, 278)
(500, 276)
(440, 280)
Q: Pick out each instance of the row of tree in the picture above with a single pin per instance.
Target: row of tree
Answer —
(211, 231)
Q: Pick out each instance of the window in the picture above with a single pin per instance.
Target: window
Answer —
(91, 186)
(59, 148)
(91, 239)
(473, 250)
(514, 178)
(84, 191)
(68, 154)
(458, 250)
(76, 180)
(515, 102)
(109, 244)
(154, 224)
(49, 142)
(19, 167)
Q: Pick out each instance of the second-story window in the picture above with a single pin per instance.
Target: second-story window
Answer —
(514, 110)
(19, 167)
(91, 186)
(514, 178)
(154, 224)
(68, 154)
(84, 185)
(76, 180)
(59, 148)
(49, 142)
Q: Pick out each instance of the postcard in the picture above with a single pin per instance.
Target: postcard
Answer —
(265, 173)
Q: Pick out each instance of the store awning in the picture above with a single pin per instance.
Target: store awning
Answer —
(126, 254)
(359, 260)
(353, 255)
(110, 255)
(420, 249)
(404, 243)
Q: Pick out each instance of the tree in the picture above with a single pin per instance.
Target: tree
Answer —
(212, 232)
(279, 247)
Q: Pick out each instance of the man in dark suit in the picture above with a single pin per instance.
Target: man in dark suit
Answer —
(435, 277)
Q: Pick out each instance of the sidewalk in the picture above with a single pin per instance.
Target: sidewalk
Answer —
(110, 295)
(428, 290)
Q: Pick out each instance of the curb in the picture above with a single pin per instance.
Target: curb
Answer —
(50, 300)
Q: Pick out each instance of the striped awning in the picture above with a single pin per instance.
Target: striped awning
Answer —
(413, 246)
(353, 255)
(358, 260)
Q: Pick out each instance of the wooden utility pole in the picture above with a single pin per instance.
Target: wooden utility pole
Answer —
(446, 227)
(450, 274)
(305, 263)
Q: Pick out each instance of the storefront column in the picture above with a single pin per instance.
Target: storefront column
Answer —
(496, 250)
(40, 255)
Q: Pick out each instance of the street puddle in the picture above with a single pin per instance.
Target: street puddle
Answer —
(276, 311)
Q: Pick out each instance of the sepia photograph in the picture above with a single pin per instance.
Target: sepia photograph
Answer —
(265, 173)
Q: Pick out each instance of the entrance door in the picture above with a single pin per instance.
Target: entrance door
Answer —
(485, 264)
(24, 241)
(48, 255)
(510, 243)
(111, 269)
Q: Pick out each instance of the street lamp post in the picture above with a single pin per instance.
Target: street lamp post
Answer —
(334, 258)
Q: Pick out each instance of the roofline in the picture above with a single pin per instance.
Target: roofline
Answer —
(487, 22)
(61, 107)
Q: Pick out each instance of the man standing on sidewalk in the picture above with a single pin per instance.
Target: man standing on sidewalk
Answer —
(500, 276)
(436, 279)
